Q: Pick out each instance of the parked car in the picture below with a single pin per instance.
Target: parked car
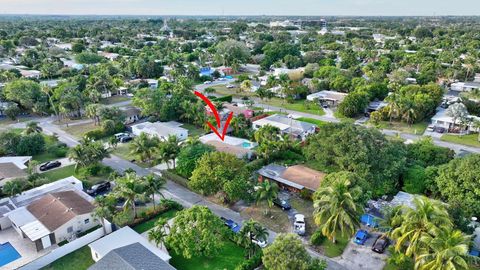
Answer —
(284, 204)
(260, 243)
(119, 135)
(125, 139)
(99, 188)
(440, 129)
(360, 237)
(431, 128)
(230, 86)
(299, 224)
(444, 105)
(207, 82)
(231, 224)
(380, 244)
(50, 165)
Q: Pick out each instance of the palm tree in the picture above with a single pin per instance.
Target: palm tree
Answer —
(104, 208)
(393, 106)
(446, 250)
(246, 85)
(409, 113)
(476, 125)
(48, 91)
(93, 111)
(251, 230)
(130, 188)
(267, 191)
(32, 127)
(144, 147)
(159, 232)
(13, 187)
(420, 221)
(153, 185)
(335, 210)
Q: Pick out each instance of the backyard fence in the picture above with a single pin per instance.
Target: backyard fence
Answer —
(64, 250)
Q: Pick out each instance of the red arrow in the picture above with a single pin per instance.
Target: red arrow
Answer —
(217, 117)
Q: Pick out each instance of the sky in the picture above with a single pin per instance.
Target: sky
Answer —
(243, 7)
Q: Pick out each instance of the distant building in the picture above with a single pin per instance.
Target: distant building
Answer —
(232, 145)
(332, 98)
(465, 86)
(295, 178)
(296, 129)
(441, 119)
(132, 114)
(162, 130)
(30, 74)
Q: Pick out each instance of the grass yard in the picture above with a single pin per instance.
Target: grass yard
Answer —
(334, 250)
(317, 122)
(48, 155)
(470, 139)
(223, 90)
(229, 257)
(147, 225)
(79, 130)
(114, 99)
(305, 207)
(276, 219)
(298, 105)
(123, 150)
(67, 171)
(418, 128)
(194, 131)
(80, 259)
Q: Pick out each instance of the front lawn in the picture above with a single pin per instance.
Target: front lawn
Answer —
(470, 139)
(229, 257)
(80, 129)
(80, 259)
(123, 150)
(52, 150)
(67, 171)
(417, 128)
(297, 105)
(334, 250)
(276, 219)
(317, 122)
(149, 224)
(305, 208)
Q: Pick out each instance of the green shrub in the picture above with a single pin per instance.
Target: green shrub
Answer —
(317, 238)
(228, 98)
(171, 175)
(306, 194)
(95, 134)
(414, 180)
(251, 263)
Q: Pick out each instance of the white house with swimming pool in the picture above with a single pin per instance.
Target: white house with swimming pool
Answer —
(232, 145)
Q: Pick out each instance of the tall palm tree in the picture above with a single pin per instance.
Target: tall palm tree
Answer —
(144, 146)
(335, 210)
(93, 111)
(13, 187)
(153, 185)
(446, 250)
(267, 191)
(159, 233)
(393, 106)
(104, 208)
(251, 230)
(420, 221)
(129, 188)
(32, 127)
(48, 91)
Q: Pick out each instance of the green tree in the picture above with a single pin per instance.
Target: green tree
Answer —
(129, 188)
(105, 208)
(250, 231)
(196, 232)
(153, 185)
(188, 156)
(32, 127)
(13, 187)
(88, 153)
(267, 191)
(288, 252)
(336, 211)
(159, 233)
(144, 146)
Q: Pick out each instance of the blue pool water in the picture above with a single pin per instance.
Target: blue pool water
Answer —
(246, 145)
(8, 254)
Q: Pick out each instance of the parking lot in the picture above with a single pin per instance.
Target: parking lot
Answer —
(362, 257)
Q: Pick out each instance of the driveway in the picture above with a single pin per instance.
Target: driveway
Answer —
(362, 257)
(64, 162)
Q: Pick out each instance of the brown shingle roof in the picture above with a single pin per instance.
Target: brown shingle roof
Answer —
(304, 176)
(55, 209)
(230, 149)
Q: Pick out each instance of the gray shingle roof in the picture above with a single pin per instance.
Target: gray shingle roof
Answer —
(131, 257)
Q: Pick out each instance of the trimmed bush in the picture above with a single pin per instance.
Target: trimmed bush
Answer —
(317, 238)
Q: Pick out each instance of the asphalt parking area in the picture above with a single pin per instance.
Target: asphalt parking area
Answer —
(362, 257)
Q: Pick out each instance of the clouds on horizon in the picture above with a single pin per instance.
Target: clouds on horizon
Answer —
(244, 7)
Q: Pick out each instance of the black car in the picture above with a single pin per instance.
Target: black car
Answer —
(125, 139)
(440, 129)
(50, 165)
(99, 188)
(380, 244)
(284, 204)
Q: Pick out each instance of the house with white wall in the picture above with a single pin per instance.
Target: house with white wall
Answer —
(162, 130)
(297, 129)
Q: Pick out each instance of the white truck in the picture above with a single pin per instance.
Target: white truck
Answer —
(299, 224)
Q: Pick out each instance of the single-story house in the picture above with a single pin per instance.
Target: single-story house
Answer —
(134, 256)
(161, 129)
(441, 119)
(232, 145)
(332, 98)
(132, 114)
(297, 129)
(53, 218)
(31, 74)
(465, 86)
(294, 178)
(13, 167)
(124, 237)
(108, 55)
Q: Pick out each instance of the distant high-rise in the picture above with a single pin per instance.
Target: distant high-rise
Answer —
(323, 24)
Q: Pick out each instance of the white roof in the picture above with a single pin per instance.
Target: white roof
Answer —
(21, 216)
(160, 129)
(124, 237)
(35, 230)
(19, 161)
(228, 140)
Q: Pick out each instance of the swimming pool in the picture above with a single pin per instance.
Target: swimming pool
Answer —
(246, 145)
(8, 254)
